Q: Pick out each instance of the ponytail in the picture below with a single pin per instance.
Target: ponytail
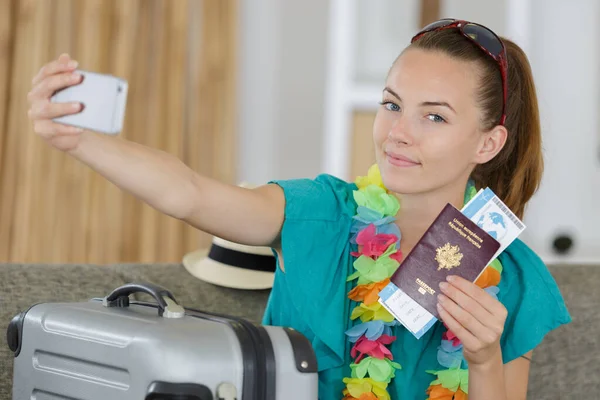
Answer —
(516, 172)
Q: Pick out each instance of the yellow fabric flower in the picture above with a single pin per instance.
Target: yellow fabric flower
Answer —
(373, 178)
(356, 387)
(370, 312)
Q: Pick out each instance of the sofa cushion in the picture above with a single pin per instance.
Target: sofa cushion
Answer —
(565, 366)
(567, 363)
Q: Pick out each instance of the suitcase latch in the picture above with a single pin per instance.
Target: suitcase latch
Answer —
(173, 310)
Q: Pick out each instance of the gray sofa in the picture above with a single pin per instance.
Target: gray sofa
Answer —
(566, 366)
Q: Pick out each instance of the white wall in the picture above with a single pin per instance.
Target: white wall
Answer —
(259, 66)
(491, 13)
(566, 65)
(281, 86)
(385, 28)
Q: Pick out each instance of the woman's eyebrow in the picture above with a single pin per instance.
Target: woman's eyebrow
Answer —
(387, 89)
(423, 104)
(437, 103)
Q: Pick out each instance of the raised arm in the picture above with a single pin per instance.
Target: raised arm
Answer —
(248, 216)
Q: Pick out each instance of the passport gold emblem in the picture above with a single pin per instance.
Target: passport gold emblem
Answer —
(448, 256)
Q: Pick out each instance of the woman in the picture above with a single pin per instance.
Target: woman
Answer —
(458, 112)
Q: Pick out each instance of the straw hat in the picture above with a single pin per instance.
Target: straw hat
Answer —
(233, 265)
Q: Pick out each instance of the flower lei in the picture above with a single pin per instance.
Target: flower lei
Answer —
(378, 240)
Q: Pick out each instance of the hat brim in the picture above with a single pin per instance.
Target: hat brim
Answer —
(199, 265)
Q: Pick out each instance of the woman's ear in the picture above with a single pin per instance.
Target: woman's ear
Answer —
(491, 143)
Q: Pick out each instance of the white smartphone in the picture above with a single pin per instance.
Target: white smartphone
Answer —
(104, 98)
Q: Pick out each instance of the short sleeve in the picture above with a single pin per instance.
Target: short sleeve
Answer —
(533, 300)
(315, 249)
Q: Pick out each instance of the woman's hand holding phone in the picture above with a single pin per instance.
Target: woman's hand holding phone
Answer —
(52, 77)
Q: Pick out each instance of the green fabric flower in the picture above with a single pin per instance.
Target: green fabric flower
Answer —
(497, 265)
(381, 370)
(377, 199)
(371, 271)
(452, 379)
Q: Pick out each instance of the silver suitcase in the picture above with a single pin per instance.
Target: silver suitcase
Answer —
(113, 348)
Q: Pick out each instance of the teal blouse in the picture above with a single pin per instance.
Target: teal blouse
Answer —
(311, 295)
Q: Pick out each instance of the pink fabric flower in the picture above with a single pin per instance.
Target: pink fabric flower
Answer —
(374, 348)
(448, 335)
(397, 256)
(374, 245)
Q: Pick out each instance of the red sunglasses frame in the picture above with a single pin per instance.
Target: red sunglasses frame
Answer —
(501, 58)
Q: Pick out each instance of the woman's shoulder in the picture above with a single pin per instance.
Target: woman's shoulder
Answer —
(524, 268)
(324, 197)
(315, 253)
(532, 297)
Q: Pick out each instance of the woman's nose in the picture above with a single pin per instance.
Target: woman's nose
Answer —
(400, 131)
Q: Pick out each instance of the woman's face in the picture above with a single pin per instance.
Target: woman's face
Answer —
(426, 132)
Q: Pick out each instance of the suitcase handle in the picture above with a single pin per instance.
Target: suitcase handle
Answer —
(167, 305)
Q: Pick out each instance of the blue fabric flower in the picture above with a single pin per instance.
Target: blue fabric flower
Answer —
(366, 217)
(493, 291)
(372, 330)
(449, 347)
(450, 356)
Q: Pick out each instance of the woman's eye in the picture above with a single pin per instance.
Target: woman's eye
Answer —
(435, 118)
(391, 106)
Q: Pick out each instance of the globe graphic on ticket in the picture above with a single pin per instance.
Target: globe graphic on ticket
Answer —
(493, 223)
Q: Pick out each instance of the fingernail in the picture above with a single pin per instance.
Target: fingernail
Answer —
(451, 278)
(75, 77)
(441, 298)
(443, 285)
(76, 106)
(72, 64)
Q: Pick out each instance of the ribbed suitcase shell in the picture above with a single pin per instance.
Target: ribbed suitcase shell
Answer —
(115, 349)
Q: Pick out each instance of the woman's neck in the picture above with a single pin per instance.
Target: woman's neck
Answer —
(417, 213)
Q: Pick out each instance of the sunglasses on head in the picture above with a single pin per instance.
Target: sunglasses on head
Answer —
(485, 39)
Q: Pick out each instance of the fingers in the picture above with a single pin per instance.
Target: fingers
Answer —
(467, 338)
(54, 76)
(44, 89)
(63, 64)
(467, 303)
(473, 335)
(468, 322)
(48, 110)
(49, 129)
(474, 316)
(493, 306)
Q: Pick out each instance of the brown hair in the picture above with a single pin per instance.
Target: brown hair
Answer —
(515, 173)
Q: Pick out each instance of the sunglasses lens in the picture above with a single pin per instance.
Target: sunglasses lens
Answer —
(433, 26)
(486, 38)
(438, 24)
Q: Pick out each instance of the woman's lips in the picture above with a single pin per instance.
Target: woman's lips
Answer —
(399, 160)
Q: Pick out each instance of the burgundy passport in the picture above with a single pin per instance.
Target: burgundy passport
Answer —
(452, 245)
